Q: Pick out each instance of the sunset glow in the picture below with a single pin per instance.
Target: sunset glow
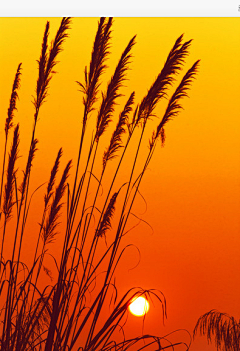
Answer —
(167, 220)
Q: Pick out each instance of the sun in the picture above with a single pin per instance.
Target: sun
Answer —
(139, 306)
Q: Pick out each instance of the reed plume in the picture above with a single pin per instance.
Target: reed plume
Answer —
(90, 89)
(52, 220)
(42, 315)
(100, 49)
(106, 221)
(42, 63)
(47, 62)
(48, 272)
(39, 315)
(165, 79)
(116, 140)
(109, 99)
(26, 173)
(52, 179)
(56, 47)
(97, 66)
(47, 198)
(11, 173)
(221, 328)
(9, 121)
(174, 106)
(13, 99)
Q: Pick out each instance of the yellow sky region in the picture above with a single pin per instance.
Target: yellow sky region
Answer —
(192, 186)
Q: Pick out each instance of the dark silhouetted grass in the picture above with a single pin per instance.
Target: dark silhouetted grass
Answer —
(221, 329)
(61, 315)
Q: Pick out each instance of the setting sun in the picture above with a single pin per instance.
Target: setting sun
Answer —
(139, 306)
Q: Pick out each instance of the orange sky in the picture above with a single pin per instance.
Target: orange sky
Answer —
(192, 186)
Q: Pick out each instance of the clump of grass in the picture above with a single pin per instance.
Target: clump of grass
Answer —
(221, 329)
(61, 316)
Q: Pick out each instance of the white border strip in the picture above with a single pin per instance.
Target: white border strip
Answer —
(120, 8)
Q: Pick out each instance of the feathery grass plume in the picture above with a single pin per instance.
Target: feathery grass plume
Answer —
(48, 272)
(33, 149)
(11, 172)
(47, 62)
(56, 46)
(51, 222)
(9, 123)
(97, 66)
(106, 221)
(47, 197)
(172, 66)
(42, 62)
(116, 140)
(174, 106)
(221, 328)
(13, 99)
(101, 45)
(39, 315)
(109, 99)
(90, 90)
(52, 179)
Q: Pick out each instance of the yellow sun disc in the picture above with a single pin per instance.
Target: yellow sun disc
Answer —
(139, 306)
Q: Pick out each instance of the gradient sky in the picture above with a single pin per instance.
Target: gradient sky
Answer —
(192, 186)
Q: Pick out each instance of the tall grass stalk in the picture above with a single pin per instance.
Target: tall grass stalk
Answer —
(61, 315)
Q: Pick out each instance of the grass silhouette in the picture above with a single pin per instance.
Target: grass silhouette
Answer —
(61, 316)
(220, 328)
